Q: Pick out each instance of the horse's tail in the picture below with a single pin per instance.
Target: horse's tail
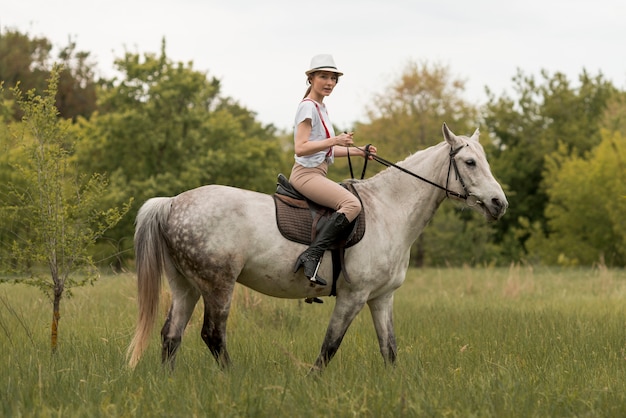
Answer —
(150, 258)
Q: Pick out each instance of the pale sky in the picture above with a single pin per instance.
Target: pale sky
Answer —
(260, 49)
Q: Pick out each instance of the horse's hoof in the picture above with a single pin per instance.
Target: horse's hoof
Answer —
(313, 300)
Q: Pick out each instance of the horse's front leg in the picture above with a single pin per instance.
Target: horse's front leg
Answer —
(382, 315)
(346, 309)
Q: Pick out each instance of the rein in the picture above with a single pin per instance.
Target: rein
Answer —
(366, 151)
(452, 164)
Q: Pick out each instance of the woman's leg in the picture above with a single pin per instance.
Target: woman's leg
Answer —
(313, 183)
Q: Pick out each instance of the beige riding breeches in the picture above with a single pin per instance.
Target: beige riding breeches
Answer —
(313, 183)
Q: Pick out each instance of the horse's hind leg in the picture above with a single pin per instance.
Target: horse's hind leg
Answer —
(184, 299)
(382, 315)
(217, 302)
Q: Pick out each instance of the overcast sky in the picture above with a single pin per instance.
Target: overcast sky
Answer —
(260, 49)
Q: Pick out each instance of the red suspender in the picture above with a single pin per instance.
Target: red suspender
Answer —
(321, 117)
(330, 150)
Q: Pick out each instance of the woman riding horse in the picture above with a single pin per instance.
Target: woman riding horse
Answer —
(316, 146)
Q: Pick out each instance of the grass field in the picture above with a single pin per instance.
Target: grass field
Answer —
(517, 342)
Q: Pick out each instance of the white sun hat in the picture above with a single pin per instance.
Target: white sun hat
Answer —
(323, 62)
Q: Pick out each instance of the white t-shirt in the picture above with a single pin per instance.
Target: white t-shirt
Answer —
(308, 110)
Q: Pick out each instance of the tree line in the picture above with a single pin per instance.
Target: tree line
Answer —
(161, 127)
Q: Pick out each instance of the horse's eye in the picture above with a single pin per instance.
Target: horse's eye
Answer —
(471, 163)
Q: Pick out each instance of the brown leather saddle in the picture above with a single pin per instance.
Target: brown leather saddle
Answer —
(299, 219)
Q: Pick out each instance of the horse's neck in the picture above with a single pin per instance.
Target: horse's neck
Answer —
(412, 201)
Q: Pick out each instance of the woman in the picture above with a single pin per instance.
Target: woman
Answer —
(316, 146)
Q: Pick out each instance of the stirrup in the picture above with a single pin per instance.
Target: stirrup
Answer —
(313, 300)
(318, 281)
(315, 279)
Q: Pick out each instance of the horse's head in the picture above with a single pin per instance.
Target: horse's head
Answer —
(472, 173)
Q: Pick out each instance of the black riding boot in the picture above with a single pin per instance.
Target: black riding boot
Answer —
(312, 256)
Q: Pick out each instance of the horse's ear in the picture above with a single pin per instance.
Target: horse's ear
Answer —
(449, 135)
(475, 135)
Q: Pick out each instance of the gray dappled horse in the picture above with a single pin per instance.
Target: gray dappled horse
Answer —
(207, 239)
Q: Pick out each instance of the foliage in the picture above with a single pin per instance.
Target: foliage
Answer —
(408, 117)
(457, 236)
(163, 128)
(409, 114)
(488, 342)
(26, 61)
(56, 213)
(614, 118)
(586, 206)
(23, 60)
(160, 128)
(527, 129)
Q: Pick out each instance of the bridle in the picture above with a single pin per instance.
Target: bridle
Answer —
(452, 164)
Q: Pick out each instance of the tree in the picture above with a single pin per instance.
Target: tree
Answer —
(23, 60)
(409, 113)
(586, 206)
(455, 238)
(76, 94)
(27, 61)
(614, 119)
(59, 212)
(163, 128)
(527, 129)
(408, 116)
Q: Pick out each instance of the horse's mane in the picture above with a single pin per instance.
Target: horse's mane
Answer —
(411, 159)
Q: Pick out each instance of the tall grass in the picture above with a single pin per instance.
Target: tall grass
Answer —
(472, 342)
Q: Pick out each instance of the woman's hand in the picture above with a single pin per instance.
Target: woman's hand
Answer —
(372, 150)
(344, 139)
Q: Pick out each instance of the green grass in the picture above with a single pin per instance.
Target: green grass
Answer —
(517, 342)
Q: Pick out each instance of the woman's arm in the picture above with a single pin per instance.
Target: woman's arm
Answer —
(354, 151)
(302, 145)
